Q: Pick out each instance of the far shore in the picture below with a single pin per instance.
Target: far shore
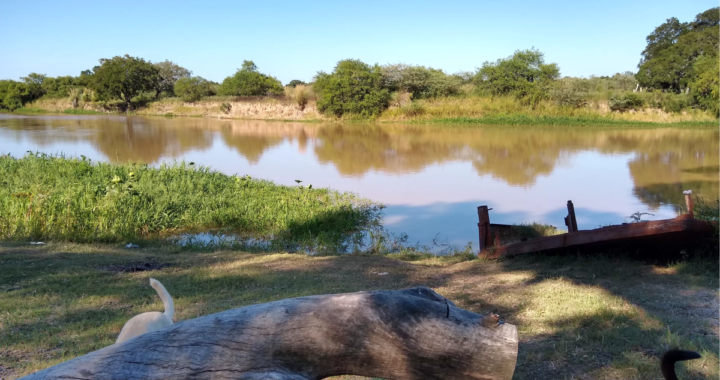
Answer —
(467, 112)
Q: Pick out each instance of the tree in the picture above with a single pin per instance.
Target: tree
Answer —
(523, 74)
(124, 78)
(420, 81)
(34, 82)
(11, 94)
(293, 83)
(247, 81)
(169, 73)
(353, 88)
(668, 61)
(706, 87)
(192, 89)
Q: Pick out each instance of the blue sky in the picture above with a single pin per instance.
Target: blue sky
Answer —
(294, 39)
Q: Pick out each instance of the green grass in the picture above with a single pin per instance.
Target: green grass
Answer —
(77, 111)
(586, 317)
(65, 199)
(29, 110)
(520, 119)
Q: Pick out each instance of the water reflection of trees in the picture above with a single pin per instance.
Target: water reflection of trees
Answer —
(665, 161)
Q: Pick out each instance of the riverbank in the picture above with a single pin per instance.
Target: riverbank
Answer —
(469, 110)
(595, 317)
(70, 199)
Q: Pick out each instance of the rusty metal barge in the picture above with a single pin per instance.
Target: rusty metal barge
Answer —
(665, 235)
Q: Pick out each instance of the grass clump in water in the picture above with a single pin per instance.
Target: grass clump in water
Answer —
(68, 199)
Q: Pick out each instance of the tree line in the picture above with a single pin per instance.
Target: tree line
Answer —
(679, 69)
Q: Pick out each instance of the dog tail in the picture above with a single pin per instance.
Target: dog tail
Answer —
(667, 362)
(165, 297)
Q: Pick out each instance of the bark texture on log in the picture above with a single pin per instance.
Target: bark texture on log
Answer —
(406, 334)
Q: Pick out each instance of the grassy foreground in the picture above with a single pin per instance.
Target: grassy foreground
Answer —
(64, 199)
(577, 317)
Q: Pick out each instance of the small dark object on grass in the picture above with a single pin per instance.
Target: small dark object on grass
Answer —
(148, 266)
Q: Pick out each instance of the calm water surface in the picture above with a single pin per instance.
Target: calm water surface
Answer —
(432, 178)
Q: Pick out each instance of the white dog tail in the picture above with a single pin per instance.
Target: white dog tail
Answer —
(165, 297)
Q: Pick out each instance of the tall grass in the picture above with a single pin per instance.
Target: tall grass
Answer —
(511, 110)
(68, 199)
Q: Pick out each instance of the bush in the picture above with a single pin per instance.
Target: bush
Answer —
(11, 95)
(524, 75)
(192, 89)
(353, 88)
(225, 108)
(294, 83)
(420, 81)
(569, 92)
(301, 96)
(247, 81)
(413, 109)
(625, 102)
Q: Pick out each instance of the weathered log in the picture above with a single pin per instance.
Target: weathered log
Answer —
(407, 334)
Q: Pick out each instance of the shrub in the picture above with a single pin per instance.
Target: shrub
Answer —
(225, 108)
(11, 95)
(192, 89)
(301, 96)
(353, 88)
(568, 92)
(625, 102)
(74, 94)
(247, 81)
(525, 74)
(420, 81)
(413, 109)
(295, 82)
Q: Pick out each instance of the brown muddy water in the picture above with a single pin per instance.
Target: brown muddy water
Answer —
(432, 178)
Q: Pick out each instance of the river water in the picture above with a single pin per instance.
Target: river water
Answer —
(432, 178)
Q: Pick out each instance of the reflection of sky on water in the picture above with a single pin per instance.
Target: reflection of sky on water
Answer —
(439, 199)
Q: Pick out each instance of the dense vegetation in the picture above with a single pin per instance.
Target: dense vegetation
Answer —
(352, 88)
(248, 81)
(192, 89)
(46, 197)
(678, 72)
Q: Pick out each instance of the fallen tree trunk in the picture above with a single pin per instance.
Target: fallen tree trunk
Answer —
(407, 334)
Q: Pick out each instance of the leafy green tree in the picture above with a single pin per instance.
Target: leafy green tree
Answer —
(59, 87)
(124, 78)
(192, 89)
(34, 82)
(11, 94)
(352, 88)
(668, 61)
(706, 87)
(523, 74)
(247, 81)
(169, 74)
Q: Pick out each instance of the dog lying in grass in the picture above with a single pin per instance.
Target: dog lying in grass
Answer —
(152, 320)
(667, 362)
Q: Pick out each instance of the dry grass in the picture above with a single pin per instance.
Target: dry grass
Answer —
(577, 317)
(478, 107)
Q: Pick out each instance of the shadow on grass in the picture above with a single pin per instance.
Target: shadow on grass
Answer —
(588, 317)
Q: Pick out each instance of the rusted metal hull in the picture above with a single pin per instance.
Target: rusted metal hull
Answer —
(681, 232)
